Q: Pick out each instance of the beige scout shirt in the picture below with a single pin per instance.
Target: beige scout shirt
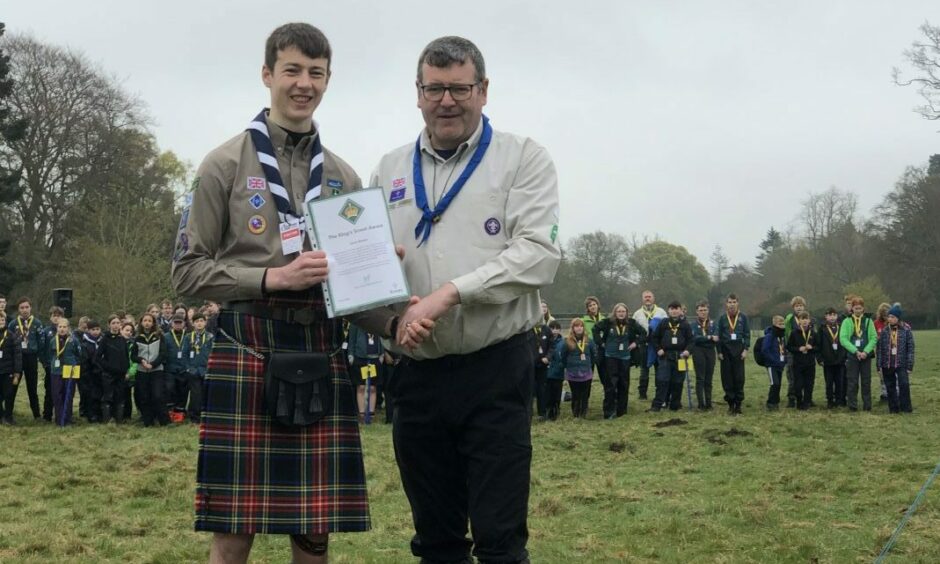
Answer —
(497, 241)
(219, 255)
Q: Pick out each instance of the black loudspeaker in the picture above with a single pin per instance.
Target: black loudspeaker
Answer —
(62, 297)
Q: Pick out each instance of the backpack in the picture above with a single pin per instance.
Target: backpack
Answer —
(759, 352)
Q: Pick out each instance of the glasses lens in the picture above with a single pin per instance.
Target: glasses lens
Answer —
(433, 93)
(461, 91)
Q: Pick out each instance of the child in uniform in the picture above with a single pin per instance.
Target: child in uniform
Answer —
(672, 340)
(774, 351)
(896, 360)
(151, 358)
(577, 354)
(734, 338)
(801, 345)
(28, 331)
(831, 355)
(11, 367)
(365, 358)
(90, 383)
(113, 359)
(555, 376)
(196, 351)
(177, 386)
(859, 339)
(64, 358)
(704, 338)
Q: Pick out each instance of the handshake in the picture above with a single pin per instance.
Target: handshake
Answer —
(417, 321)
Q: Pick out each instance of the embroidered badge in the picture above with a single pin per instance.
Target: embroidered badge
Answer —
(256, 201)
(397, 194)
(184, 219)
(257, 224)
(398, 183)
(492, 226)
(351, 211)
(256, 183)
(554, 232)
(182, 245)
(333, 183)
(195, 184)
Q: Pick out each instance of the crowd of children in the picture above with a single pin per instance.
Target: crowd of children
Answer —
(159, 362)
(156, 364)
(674, 346)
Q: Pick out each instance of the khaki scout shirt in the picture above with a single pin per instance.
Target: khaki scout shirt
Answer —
(219, 254)
(497, 241)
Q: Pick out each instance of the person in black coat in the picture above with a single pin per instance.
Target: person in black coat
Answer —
(113, 357)
(11, 368)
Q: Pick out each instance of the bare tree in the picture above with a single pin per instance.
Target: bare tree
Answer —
(924, 56)
(826, 212)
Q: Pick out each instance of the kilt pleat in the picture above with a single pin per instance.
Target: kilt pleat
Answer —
(254, 476)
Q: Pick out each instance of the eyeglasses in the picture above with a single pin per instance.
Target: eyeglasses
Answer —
(435, 92)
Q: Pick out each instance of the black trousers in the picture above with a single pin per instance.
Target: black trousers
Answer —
(732, 378)
(46, 393)
(8, 391)
(775, 374)
(835, 384)
(898, 385)
(113, 395)
(644, 383)
(31, 375)
(703, 358)
(541, 400)
(669, 380)
(858, 373)
(804, 379)
(580, 397)
(464, 451)
(177, 390)
(150, 391)
(602, 366)
(553, 388)
(617, 387)
(196, 385)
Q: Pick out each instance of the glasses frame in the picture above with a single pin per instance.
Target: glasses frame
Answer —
(446, 90)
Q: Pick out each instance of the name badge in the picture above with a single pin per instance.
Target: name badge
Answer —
(835, 346)
(56, 364)
(24, 344)
(1, 354)
(621, 347)
(292, 238)
(192, 354)
(734, 336)
(179, 354)
(894, 351)
(583, 357)
(372, 341)
(858, 343)
(675, 340)
(783, 358)
(540, 350)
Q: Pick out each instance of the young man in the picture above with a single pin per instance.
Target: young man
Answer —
(774, 351)
(734, 338)
(832, 357)
(896, 360)
(802, 346)
(48, 332)
(255, 475)
(791, 324)
(704, 337)
(644, 315)
(28, 331)
(166, 316)
(672, 340)
(477, 212)
(859, 339)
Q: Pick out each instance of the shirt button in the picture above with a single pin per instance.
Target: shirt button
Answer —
(440, 255)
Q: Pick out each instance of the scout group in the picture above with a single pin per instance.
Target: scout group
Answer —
(156, 362)
(671, 344)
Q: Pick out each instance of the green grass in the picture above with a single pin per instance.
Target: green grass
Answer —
(763, 487)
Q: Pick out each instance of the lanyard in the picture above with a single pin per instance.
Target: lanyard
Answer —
(649, 313)
(704, 326)
(59, 351)
(261, 139)
(581, 344)
(24, 332)
(192, 340)
(179, 342)
(620, 328)
(894, 337)
(673, 328)
(733, 323)
(428, 216)
(832, 334)
(806, 335)
(858, 325)
(3, 340)
(780, 345)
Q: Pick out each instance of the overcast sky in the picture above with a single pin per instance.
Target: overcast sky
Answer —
(702, 122)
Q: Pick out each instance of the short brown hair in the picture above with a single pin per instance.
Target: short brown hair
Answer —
(798, 300)
(308, 39)
(858, 300)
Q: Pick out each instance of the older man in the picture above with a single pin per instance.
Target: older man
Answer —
(477, 212)
(645, 316)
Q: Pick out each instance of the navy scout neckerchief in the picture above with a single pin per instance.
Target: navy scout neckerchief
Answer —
(428, 216)
(261, 139)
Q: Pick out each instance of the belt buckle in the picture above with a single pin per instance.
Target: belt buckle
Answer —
(303, 316)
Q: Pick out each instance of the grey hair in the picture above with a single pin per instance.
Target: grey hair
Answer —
(452, 50)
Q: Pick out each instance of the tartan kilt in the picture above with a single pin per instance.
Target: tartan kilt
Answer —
(257, 477)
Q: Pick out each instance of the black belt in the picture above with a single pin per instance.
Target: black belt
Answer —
(302, 316)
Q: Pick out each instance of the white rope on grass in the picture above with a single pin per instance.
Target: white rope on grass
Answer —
(907, 516)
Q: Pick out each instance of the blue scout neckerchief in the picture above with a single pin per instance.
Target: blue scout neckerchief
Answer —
(261, 139)
(429, 216)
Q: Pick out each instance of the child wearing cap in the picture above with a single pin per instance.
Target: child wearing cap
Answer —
(196, 351)
(774, 351)
(177, 386)
(896, 360)
(672, 340)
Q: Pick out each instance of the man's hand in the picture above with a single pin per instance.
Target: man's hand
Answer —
(684, 354)
(307, 269)
(744, 354)
(415, 324)
(631, 347)
(861, 355)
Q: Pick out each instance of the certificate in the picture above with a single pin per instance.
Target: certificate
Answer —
(355, 232)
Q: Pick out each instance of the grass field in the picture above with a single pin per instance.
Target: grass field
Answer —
(789, 486)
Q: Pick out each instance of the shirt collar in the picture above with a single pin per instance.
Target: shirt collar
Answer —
(469, 144)
(280, 139)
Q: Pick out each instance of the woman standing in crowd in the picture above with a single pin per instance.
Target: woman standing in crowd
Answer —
(618, 336)
(150, 387)
(11, 367)
(112, 357)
